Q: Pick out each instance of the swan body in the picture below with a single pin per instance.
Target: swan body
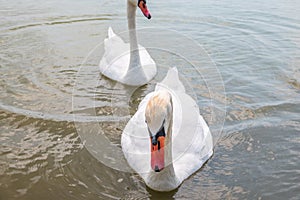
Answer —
(115, 64)
(128, 63)
(187, 141)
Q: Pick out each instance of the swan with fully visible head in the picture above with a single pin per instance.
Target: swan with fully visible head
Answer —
(130, 63)
(167, 139)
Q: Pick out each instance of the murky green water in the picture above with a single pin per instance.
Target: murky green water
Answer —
(46, 45)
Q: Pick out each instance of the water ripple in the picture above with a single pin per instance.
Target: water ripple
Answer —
(73, 20)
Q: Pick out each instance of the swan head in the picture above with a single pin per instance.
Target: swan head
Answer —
(158, 115)
(143, 7)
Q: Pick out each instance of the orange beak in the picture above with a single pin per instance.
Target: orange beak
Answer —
(157, 154)
(142, 5)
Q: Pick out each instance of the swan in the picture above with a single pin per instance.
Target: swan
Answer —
(167, 139)
(130, 63)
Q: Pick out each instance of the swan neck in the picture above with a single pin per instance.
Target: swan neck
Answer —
(135, 63)
(131, 15)
(169, 147)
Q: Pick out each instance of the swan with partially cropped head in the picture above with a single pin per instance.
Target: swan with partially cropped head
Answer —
(167, 139)
(130, 63)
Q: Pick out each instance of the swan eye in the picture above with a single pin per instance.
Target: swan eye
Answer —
(139, 1)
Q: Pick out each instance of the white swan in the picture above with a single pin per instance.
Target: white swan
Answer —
(130, 63)
(167, 139)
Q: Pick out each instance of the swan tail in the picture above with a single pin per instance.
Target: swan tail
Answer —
(113, 40)
(110, 33)
(172, 80)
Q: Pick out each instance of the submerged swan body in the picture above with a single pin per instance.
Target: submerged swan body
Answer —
(167, 139)
(130, 63)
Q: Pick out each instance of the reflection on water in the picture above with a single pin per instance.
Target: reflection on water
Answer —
(44, 56)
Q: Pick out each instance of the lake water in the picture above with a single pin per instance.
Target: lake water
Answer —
(246, 83)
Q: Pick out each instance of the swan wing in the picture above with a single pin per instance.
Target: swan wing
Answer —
(135, 140)
(115, 60)
(192, 140)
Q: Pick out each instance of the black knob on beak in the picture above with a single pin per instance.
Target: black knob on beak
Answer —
(156, 169)
(154, 141)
